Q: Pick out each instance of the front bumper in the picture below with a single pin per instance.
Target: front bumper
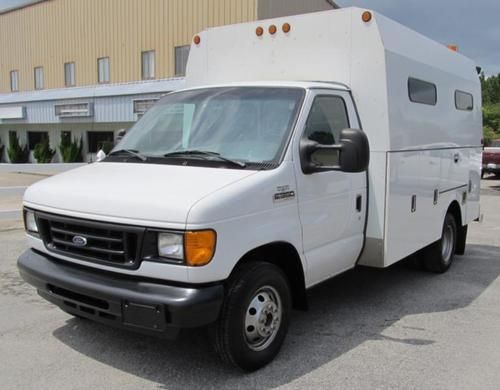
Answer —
(143, 306)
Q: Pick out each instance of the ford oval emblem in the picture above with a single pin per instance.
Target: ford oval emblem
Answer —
(79, 241)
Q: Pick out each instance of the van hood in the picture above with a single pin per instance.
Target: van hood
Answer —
(149, 192)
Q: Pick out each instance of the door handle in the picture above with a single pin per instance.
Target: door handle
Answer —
(359, 203)
(456, 157)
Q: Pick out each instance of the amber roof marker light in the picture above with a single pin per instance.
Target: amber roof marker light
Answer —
(197, 40)
(367, 16)
(286, 28)
(259, 31)
(273, 29)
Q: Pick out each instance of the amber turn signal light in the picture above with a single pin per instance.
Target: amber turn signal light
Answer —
(367, 16)
(196, 39)
(199, 247)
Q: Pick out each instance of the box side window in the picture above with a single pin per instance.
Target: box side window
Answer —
(422, 92)
(464, 101)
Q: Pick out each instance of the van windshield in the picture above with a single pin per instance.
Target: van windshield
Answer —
(246, 125)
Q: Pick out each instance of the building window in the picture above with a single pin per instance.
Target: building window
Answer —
(181, 58)
(69, 74)
(143, 105)
(100, 140)
(70, 110)
(66, 136)
(148, 65)
(422, 92)
(14, 81)
(36, 137)
(103, 70)
(39, 77)
(464, 101)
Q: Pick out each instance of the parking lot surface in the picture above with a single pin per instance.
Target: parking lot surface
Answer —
(367, 329)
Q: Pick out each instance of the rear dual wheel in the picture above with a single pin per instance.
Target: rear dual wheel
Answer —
(438, 257)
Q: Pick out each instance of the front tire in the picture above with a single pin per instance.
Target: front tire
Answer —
(439, 256)
(254, 317)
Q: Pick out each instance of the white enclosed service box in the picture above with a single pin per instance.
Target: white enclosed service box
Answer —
(405, 87)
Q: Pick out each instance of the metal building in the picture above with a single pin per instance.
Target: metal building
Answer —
(88, 68)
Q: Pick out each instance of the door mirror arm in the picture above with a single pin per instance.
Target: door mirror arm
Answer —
(308, 148)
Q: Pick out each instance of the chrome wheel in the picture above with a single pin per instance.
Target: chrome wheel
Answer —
(447, 243)
(263, 318)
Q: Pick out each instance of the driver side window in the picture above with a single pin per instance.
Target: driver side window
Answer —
(327, 118)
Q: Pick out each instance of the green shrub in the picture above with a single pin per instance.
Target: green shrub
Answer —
(71, 151)
(16, 153)
(1, 150)
(489, 135)
(43, 153)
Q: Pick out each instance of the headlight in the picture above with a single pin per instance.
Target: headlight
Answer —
(195, 248)
(171, 245)
(30, 221)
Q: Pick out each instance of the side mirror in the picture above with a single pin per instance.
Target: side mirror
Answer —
(351, 154)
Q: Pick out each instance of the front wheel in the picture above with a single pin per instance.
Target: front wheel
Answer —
(439, 256)
(254, 317)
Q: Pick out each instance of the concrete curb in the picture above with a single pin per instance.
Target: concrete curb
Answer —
(42, 169)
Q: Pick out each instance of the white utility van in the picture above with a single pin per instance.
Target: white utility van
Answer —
(301, 147)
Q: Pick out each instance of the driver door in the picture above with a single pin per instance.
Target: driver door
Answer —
(332, 204)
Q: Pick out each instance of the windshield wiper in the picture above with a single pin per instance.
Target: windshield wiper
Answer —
(203, 153)
(130, 152)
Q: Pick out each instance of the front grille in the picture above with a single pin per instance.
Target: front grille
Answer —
(109, 244)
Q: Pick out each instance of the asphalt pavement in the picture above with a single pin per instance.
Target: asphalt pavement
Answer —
(394, 328)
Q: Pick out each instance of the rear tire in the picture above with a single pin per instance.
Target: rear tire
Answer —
(254, 318)
(438, 257)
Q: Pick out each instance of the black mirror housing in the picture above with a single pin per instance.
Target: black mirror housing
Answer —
(353, 150)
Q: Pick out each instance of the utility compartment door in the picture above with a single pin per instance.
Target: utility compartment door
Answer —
(413, 217)
(332, 205)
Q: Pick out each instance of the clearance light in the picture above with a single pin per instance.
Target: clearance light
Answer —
(286, 28)
(259, 31)
(272, 29)
(453, 47)
(197, 40)
(367, 16)
(199, 247)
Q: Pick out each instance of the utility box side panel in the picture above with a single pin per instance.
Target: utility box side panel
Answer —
(415, 125)
(423, 126)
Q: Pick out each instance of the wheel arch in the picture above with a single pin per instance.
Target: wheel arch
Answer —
(455, 210)
(286, 257)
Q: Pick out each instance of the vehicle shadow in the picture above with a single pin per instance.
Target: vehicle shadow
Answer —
(345, 312)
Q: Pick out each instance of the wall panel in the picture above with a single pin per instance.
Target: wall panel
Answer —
(53, 32)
